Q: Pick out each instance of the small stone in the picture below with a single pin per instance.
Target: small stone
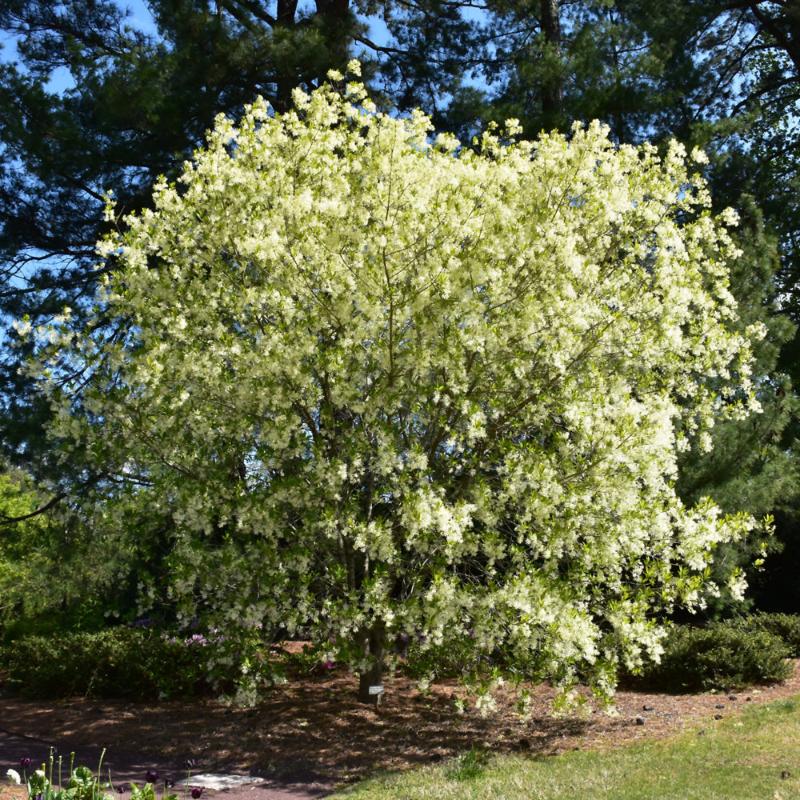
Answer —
(732, 697)
(701, 732)
(720, 705)
(648, 708)
(717, 716)
(523, 744)
(219, 781)
(640, 720)
(748, 699)
(785, 774)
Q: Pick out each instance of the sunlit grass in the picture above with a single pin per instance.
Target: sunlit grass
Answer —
(753, 756)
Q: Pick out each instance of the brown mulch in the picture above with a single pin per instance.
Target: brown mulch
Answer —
(311, 735)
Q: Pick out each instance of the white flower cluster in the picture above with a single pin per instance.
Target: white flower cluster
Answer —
(380, 379)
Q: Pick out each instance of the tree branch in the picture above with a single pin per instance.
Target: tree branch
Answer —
(4, 520)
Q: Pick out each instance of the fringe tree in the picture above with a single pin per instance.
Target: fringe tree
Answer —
(387, 385)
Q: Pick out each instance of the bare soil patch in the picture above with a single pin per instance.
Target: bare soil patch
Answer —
(311, 735)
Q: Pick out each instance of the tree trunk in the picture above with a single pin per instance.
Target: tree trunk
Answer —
(374, 646)
(337, 30)
(285, 81)
(553, 88)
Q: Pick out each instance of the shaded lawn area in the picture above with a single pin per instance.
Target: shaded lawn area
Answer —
(752, 756)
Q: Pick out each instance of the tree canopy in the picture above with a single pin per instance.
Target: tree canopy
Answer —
(384, 384)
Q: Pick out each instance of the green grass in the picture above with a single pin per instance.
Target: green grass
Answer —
(740, 758)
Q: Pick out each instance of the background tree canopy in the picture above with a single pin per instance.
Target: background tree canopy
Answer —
(91, 102)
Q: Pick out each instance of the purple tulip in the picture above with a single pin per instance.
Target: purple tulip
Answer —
(196, 792)
(168, 783)
(122, 788)
(151, 776)
(190, 763)
(26, 762)
(328, 665)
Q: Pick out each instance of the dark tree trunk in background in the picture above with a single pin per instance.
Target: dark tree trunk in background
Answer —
(553, 87)
(286, 81)
(337, 27)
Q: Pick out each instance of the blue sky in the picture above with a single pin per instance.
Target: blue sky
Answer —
(140, 15)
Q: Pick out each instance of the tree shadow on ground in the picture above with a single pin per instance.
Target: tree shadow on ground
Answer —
(314, 733)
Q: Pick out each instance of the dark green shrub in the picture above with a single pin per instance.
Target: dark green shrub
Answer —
(720, 656)
(785, 626)
(117, 662)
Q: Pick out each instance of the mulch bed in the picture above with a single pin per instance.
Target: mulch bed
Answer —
(311, 735)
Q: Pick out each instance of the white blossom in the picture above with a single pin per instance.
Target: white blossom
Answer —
(378, 378)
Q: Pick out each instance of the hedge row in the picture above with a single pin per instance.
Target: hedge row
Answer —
(144, 664)
(117, 662)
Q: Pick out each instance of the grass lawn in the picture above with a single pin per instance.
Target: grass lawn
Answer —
(740, 758)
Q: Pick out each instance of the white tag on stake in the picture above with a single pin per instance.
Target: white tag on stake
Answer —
(376, 689)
